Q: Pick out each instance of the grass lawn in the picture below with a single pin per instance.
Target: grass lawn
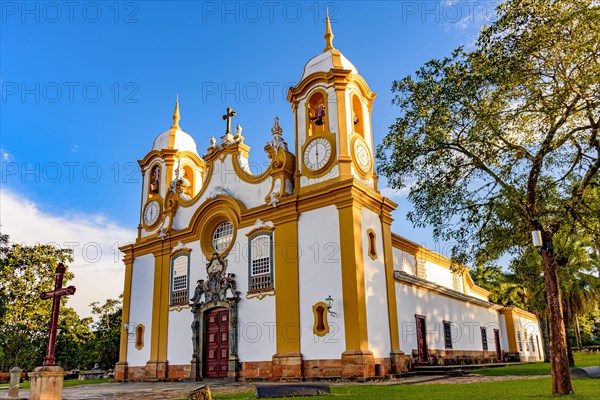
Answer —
(521, 389)
(539, 368)
(68, 383)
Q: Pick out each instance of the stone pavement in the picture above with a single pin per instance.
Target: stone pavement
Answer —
(180, 390)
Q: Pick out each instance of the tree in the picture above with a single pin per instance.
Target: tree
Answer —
(26, 271)
(503, 140)
(107, 331)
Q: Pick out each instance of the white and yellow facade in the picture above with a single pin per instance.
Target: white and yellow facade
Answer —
(313, 226)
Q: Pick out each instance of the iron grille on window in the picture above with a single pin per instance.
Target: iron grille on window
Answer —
(179, 280)
(260, 263)
(484, 338)
(447, 336)
(519, 341)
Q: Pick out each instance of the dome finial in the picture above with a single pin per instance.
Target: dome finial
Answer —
(328, 34)
(176, 116)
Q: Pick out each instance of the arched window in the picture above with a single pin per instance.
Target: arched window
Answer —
(154, 186)
(357, 116)
(261, 262)
(317, 111)
(188, 178)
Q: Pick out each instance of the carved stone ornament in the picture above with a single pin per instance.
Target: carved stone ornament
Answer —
(219, 286)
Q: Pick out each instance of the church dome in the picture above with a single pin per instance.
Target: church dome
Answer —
(326, 61)
(175, 138)
(329, 59)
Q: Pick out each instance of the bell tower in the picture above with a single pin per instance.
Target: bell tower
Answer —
(332, 108)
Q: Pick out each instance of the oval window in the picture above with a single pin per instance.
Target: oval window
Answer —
(222, 236)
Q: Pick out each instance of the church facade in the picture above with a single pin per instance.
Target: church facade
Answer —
(295, 272)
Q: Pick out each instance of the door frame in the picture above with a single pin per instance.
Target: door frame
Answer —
(197, 372)
(497, 344)
(422, 338)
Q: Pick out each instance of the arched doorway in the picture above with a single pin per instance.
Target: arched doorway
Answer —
(216, 343)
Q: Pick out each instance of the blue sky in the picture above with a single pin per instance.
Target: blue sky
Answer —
(87, 86)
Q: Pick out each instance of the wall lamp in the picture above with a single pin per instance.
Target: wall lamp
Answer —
(329, 303)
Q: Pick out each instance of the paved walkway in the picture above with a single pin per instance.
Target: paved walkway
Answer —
(180, 390)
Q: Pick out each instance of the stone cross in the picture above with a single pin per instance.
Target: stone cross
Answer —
(230, 114)
(55, 295)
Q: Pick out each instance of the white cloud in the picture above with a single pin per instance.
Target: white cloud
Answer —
(94, 239)
(6, 156)
(395, 193)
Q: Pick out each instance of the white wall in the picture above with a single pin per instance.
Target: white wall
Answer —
(378, 329)
(466, 318)
(140, 312)
(179, 348)
(404, 262)
(529, 328)
(438, 274)
(320, 275)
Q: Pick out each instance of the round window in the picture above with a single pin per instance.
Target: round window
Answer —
(222, 236)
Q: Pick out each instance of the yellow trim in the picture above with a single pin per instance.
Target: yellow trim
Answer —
(372, 243)
(386, 221)
(359, 171)
(154, 337)
(353, 277)
(262, 229)
(426, 254)
(210, 214)
(511, 334)
(128, 259)
(287, 309)
(324, 170)
(316, 330)
(158, 199)
(139, 337)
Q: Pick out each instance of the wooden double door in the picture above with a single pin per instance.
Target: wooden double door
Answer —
(216, 343)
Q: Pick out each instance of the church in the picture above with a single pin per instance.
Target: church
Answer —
(295, 273)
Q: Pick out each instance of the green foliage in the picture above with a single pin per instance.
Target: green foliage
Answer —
(28, 271)
(520, 389)
(503, 139)
(538, 368)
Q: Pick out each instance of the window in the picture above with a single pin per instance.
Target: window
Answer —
(139, 336)
(372, 244)
(222, 236)
(519, 341)
(484, 338)
(321, 326)
(179, 279)
(357, 116)
(447, 335)
(154, 187)
(260, 263)
(316, 113)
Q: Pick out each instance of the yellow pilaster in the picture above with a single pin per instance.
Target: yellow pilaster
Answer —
(511, 335)
(353, 277)
(160, 307)
(343, 135)
(386, 222)
(287, 311)
(128, 259)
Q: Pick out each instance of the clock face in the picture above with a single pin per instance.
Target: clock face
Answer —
(317, 153)
(362, 155)
(151, 213)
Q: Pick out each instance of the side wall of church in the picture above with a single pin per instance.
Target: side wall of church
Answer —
(142, 284)
(320, 276)
(404, 261)
(465, 318)
(378, 329)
